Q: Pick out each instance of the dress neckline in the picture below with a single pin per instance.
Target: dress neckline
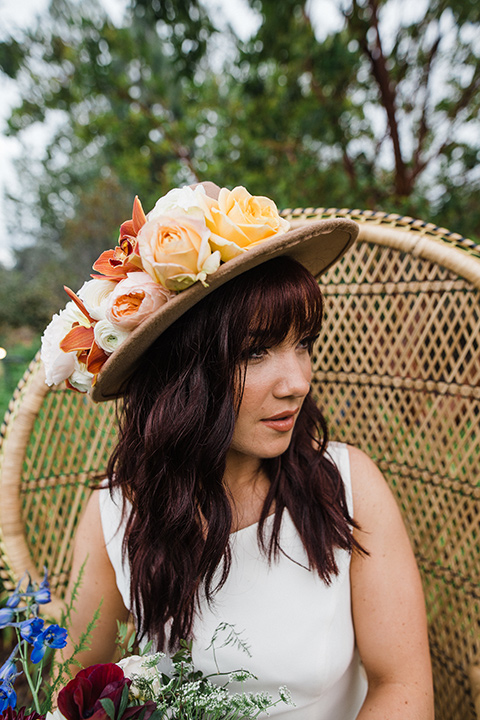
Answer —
(252, 525)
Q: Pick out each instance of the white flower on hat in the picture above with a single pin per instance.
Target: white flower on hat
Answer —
(58, 364)
(181, 201)
(108, 336)
(81, 379)
(95, 295)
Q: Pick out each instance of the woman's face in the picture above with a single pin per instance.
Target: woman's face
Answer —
(277, 381)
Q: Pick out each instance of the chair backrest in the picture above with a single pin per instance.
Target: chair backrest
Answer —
(397, 373)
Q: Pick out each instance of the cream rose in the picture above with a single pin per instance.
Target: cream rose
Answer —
(58, 364)
(108, 336)
(133, 667)
(175, 250)
(238, 221)
(55, 715)
(95, 295)
(178, 201)
(135, 299)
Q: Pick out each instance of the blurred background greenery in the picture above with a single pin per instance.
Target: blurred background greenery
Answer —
(377, 110)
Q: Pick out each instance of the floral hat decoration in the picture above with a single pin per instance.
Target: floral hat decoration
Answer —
(195, 239)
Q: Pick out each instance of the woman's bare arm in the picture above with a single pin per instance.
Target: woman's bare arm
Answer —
(388, 604)
(98, 586)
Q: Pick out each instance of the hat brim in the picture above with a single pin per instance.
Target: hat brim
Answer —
(317, 246)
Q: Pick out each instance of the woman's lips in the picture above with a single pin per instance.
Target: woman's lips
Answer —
(283, 421)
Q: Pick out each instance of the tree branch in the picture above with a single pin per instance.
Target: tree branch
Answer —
(417, 164)
(387, 90)
(462, 103)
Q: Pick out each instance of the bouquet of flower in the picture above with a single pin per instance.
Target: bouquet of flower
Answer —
(133, 689)
(181, 241)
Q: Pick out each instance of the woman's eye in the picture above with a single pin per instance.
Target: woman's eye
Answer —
(256, 353)
(307, 343)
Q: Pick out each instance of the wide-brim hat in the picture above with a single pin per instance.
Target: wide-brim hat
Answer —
(317, 245)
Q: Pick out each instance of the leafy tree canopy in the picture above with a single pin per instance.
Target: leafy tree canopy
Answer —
(378, 109)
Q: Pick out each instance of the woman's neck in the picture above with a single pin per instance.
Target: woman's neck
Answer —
(248, 486)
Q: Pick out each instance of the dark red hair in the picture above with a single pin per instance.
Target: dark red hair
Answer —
(176, 426)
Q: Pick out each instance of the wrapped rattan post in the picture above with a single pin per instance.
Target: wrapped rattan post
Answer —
(14, 446)
(475, 680)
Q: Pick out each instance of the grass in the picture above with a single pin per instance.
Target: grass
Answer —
(21, 348)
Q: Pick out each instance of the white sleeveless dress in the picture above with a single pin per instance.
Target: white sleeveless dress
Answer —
(299, 630)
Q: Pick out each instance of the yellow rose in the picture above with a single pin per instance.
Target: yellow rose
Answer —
(175, 251)
(238, 221)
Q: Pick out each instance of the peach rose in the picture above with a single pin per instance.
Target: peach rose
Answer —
(135, 299)
(238, 221)
(175, 250)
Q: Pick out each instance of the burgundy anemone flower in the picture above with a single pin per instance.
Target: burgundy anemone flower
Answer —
(80, 699)
(12, 714)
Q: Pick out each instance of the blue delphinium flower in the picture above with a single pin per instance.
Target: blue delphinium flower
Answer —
(21, 613)
(43, 595)
(8, 671)
(8, 696)
(6, 617)
(13, 600)
(54, 637)
(30, 629)
(40, 595)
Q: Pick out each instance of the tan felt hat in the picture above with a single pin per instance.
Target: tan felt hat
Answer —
(317, 246)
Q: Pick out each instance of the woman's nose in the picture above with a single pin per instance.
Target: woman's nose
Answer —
(294, 375)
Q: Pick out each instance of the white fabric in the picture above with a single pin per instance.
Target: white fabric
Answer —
(299, 630)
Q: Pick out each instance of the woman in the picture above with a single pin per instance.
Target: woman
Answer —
(225, 501)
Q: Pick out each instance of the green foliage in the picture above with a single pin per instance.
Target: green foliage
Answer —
(188, 694)
(126, 641)
(61, 672)
(19, 355)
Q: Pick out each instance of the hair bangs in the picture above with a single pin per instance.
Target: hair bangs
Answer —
(285, 303)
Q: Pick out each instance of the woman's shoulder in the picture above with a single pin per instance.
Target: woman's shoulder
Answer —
(338, 452)
(372, 496)
(113, 514)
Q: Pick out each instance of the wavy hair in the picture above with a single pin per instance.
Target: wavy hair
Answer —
(176, 424)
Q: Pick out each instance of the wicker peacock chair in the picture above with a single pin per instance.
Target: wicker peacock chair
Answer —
(397, 372)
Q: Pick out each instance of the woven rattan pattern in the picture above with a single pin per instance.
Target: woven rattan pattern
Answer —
(397, 373)
(67, 444)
